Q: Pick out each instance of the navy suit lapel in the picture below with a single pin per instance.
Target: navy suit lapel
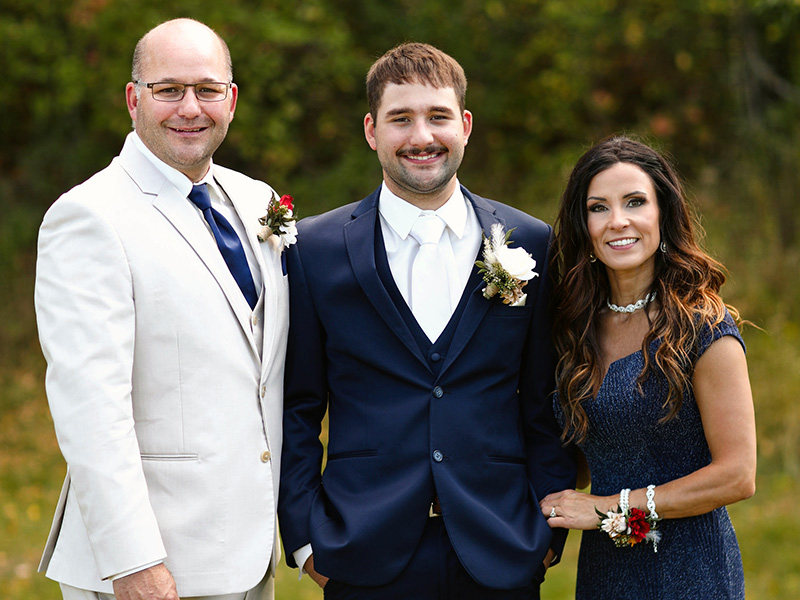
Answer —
(477, 306)
(359, 236)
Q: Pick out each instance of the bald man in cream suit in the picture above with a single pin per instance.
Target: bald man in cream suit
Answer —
(164, 378)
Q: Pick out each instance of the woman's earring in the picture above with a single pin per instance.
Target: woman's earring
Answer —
(663, 247)
(593, 258)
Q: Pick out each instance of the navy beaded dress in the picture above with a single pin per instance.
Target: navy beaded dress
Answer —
(698, 557)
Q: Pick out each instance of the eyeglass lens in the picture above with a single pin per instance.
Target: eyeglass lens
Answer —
(169, 91)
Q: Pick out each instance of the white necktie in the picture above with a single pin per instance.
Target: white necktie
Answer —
(430, 293)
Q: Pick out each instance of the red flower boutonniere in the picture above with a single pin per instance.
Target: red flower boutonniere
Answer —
(278, 226)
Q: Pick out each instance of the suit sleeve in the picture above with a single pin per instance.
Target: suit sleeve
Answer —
(305, 403)
(551, 466)
(86, 319)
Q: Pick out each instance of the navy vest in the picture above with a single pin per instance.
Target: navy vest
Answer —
(435, 352)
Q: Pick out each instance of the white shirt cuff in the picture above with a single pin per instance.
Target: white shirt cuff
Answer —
(134, 570)
(301, 556)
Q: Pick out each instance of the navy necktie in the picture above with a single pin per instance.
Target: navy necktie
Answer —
(229, 243)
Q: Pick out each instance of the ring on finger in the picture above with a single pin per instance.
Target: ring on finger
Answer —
(553, 512)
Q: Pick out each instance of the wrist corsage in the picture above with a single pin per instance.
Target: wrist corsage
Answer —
(278, 226)
(505, 270)
(628, 526)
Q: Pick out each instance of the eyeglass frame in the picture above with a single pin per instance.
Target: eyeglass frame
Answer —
(227, 84)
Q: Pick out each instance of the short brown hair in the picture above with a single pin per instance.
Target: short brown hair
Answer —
(415, 62)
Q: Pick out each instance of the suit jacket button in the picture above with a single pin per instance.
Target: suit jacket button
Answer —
(265, 456)
(438, 392)
(263, 391)
(438, 456)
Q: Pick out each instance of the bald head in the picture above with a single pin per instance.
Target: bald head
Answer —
(176, 32)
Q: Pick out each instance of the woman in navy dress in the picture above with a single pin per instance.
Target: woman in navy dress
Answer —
(652, 386)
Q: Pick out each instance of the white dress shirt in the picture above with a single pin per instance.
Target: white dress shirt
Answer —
(458, 246)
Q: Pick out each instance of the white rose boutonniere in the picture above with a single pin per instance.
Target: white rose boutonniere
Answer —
(505, 270)
(278, 226)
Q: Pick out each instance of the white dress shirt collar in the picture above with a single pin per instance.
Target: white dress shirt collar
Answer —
(400, 215)
(175, 177)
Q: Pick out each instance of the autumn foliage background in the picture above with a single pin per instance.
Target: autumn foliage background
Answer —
(714, 83)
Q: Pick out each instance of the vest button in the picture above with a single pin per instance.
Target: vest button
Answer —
(435, 357)
(265, 456)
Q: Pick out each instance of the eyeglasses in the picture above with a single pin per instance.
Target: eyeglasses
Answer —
(171, 91)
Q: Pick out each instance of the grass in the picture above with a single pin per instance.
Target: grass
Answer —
(31, 467)
(31, 470)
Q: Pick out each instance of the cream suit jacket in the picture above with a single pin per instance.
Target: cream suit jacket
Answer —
(166, 409)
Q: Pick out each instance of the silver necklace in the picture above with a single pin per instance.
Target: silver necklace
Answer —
(631, 307)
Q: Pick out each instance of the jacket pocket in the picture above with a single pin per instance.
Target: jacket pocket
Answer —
(169, 457)
(352, 454)
(506, 311)
(513, 460)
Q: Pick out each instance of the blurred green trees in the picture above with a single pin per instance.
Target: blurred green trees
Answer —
(712, 80)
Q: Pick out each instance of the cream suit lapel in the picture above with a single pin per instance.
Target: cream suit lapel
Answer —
(249, 209)
(184, 218)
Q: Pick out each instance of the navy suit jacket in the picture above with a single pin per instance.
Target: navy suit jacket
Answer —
(473, 424)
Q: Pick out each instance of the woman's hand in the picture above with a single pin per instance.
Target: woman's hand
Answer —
(575, 510)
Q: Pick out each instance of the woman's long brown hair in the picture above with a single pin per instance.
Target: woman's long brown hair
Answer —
(687, 283)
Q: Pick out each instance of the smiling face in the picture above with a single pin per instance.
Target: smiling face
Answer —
(623, 220)
(183, 134)
(419, 134)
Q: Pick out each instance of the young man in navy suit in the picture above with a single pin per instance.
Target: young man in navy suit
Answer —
(441, 434)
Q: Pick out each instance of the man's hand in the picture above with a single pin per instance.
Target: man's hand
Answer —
(320, 580)
(551, 554)
(155, 583)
